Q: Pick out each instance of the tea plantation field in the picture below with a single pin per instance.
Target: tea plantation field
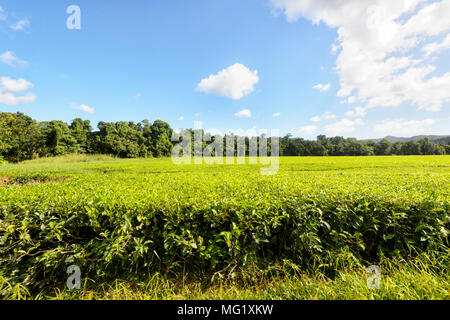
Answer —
(166, 231)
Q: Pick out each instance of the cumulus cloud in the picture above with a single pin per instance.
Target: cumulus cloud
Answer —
(20, 25)
(308, 130)
(325, 116)
(12, 100)
(322, 87)
(379, 41)
(181, 118)
(342, 127)
(357, 112)
(403, 127)
(234, 82)
(243, 114)
(276, 115)
(83, 107)
(10, 87)
(9, 58)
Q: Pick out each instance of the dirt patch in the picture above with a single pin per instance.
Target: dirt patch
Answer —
(4, 181)
(10, 181)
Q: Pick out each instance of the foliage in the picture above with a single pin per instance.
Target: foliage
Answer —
(399, 280)
(22, 138)
(137, 217)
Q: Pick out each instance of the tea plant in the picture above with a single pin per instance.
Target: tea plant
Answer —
(131, 219)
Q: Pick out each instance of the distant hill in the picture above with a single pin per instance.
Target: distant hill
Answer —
(436, 139)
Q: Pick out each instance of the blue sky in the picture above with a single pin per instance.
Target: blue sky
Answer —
(268, 64)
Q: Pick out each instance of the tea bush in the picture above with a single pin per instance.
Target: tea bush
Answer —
(131, 218)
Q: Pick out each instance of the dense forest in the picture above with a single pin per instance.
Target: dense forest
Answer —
(23, 138)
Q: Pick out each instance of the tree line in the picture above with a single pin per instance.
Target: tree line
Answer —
(23, 138)
(339, 146)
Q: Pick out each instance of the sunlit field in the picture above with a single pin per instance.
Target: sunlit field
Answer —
(150, 229)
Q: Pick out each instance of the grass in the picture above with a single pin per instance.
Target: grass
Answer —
(399, 281)
(226, 231)
(70, 158)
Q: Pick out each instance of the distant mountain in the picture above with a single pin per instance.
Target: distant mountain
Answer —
(437, 139)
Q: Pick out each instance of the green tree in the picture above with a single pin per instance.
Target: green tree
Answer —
(81, 130)
(161, 133)
(430, 148)
(58, 138)
(124, 139)
(383, 148)
(20, 137)
(410, 148)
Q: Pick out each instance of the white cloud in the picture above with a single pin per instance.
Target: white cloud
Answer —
(11, 85)
(139, 95)
(84, 108)
(403, 127)
(308, 130)
(197, 114)
(243, 114)
(9, 58)
(329, 116)
(233, 82)
(322, 87)
(181, 118)
(357, 112)
(343, 126)
(351, 100)
(379, 40)
(20, 25)
(276, 115)
(12, 100)
(334, 48)
(326, 116)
